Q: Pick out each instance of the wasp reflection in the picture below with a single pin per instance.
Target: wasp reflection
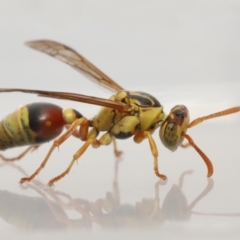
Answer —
(50, 209)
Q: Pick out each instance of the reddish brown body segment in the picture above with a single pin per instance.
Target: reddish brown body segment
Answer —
(45, 120)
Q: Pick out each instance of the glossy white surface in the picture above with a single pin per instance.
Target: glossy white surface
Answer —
(182, 52)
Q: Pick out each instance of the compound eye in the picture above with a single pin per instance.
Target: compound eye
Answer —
(180, 114)
(169, 135)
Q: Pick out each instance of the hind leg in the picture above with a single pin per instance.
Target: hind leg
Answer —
(21, 155)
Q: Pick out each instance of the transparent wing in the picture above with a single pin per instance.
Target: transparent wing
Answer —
(77, 61)
(121, 107)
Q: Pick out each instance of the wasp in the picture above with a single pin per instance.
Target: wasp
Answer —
(126, 114)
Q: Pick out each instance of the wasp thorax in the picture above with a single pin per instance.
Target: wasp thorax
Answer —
(148, 110)
(175, 124)
(140, 99)
(151, 118)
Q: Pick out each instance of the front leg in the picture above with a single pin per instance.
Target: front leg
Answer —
(146, 134)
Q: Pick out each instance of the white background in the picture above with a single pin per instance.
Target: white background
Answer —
(182, 52)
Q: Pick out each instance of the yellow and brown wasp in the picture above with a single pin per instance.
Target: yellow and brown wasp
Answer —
(124, 115)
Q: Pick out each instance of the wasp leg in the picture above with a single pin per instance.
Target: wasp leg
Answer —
(56, 143)
(75, 157)
(138, 138)
(117, 152)
(214, 115)
(204, 157)
(75, 133)
(105, 139)
(29, 149)
(81, 133)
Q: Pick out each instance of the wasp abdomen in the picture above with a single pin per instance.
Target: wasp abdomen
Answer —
(31, 124)
(45, 120)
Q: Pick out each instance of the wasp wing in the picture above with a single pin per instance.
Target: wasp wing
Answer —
(121, 107)
(77, 61)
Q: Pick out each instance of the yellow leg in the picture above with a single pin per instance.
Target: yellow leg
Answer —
(204, 157)
(80, 133)
(20, 156)
(56, 143)
(75, 133)
(138, 138)
(75, 157)
(214, 115)
(117, 152)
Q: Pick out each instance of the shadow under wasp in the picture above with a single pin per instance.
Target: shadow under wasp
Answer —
(124, 115)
